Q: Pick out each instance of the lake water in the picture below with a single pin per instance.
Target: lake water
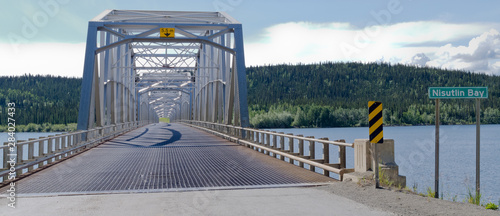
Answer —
(414, 153)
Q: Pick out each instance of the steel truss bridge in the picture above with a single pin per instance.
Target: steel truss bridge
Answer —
(144, 65)
(190, 67)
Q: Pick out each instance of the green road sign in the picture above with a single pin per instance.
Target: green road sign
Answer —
(457, 92)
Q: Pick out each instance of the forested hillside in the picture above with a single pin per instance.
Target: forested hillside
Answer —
(40, 99)
(313, 95)
(337, 94)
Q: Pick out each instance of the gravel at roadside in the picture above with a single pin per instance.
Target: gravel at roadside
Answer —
(401, 203)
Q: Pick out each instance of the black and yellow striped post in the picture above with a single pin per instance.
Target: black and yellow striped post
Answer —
(376, 133)
(375, 118)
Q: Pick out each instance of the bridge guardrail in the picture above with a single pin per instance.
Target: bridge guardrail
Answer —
(56, 147)
(266, 141)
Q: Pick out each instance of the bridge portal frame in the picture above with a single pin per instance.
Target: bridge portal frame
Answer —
(126, 59)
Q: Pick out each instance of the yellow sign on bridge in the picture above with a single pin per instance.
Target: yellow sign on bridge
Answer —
(167, 32)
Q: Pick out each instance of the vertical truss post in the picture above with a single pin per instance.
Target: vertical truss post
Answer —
(94, 91)
(100, 79)
(230, 96)
(240, 70)
(107, 96)
(88, 77)
(98, 91)
(119, 95)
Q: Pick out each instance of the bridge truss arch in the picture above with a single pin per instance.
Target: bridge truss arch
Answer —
(143, 65)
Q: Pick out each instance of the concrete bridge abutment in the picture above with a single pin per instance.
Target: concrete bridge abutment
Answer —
(363, 165)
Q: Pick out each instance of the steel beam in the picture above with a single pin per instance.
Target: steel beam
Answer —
(88, 77)
(240, 71)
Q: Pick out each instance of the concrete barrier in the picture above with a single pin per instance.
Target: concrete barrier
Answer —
(363, 167)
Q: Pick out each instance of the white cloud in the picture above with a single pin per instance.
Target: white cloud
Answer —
(482, 54)
(59, 59)
(496, 66)
(429, 31)
(420, 59)
(421, 43)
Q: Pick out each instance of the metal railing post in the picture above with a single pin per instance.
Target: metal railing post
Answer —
(31, 149)
(301, 150)
(262, 141)
(326, 155)
(282, 145)
(268, 142)
(275, 143)
(290, 147)
(31, 152)
(41, 152)
(342, 157)
(6, 152)
(312, 152)
(20, 155)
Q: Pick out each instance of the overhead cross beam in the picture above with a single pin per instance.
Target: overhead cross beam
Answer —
(132, 72)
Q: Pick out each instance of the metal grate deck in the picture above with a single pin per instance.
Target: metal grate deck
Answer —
(165, 157)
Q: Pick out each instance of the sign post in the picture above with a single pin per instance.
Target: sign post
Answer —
(436, 168)
(376, 133)
(458, 93)
(478, 140)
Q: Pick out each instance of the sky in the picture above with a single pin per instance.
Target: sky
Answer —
(48, 36)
